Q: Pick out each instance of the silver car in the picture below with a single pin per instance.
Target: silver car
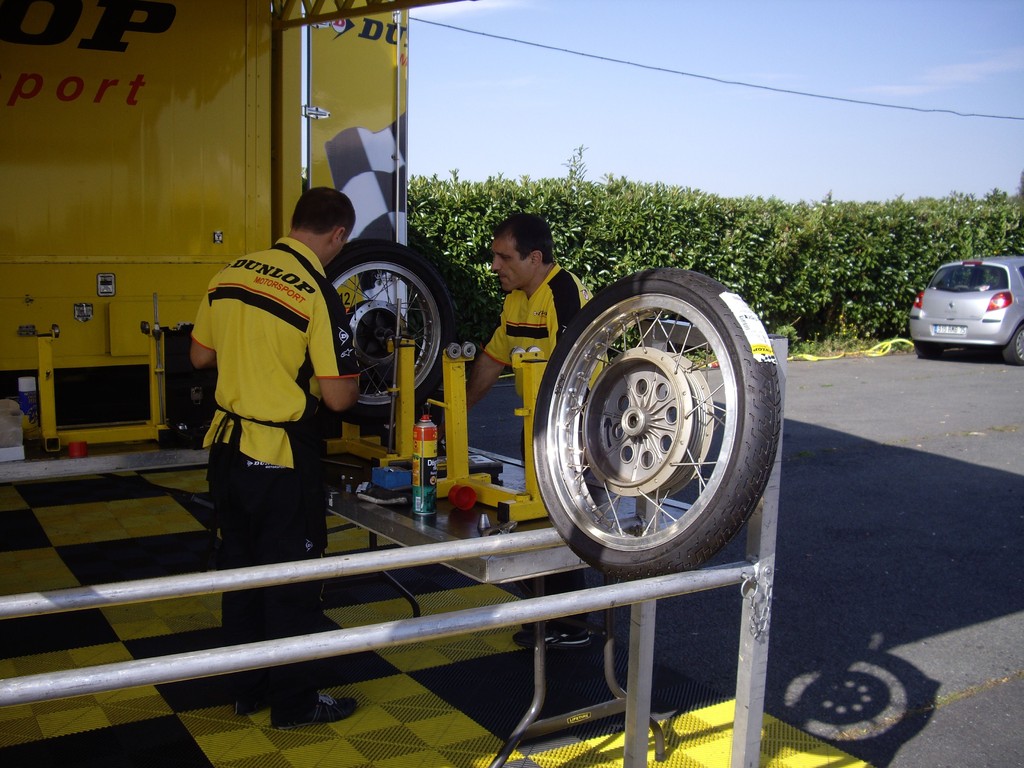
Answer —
(976, 303)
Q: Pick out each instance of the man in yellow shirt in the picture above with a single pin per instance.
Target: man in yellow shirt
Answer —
(279, 336)
(541, 300)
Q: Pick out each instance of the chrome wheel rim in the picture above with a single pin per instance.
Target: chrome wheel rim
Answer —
(388, 301)
(644, 405)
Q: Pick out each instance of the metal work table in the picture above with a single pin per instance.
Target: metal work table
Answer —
(139, 458)
(397, 524)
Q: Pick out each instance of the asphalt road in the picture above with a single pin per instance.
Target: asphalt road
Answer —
(897, 627)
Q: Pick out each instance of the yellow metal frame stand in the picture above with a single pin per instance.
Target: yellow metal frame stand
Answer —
(528, 367)
(353, 443)
(53, 436)
(510, 504)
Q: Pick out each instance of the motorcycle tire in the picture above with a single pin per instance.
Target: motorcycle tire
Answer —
(658, 420)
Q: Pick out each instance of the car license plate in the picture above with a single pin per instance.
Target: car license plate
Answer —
(949, 330)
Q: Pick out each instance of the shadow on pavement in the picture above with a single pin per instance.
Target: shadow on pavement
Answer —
(881, 551)
(897, 573)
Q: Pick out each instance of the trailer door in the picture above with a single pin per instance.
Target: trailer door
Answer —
(356, 116)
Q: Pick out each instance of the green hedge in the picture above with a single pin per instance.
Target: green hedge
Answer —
(826, 269)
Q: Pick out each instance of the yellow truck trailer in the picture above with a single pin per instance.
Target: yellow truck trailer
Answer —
(145, 144)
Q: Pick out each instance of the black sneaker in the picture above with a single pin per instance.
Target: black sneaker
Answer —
(249, 705)
(554, 639)
(326, 710)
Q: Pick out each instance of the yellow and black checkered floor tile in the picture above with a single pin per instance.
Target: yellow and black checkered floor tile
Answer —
(442, 704)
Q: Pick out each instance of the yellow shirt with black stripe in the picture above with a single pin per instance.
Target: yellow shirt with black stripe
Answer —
(277, 326)
(537, 320)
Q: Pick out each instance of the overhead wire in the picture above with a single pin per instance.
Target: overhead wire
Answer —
(720, 80)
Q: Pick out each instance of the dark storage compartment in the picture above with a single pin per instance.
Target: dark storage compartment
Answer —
(190, 393)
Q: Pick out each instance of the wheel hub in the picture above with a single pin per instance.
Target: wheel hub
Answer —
(646, 423)
(373, 325)
(634, 422)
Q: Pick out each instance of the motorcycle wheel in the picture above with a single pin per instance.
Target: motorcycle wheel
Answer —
(658, 419)
(390, 291)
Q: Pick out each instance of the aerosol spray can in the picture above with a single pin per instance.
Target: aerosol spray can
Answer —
(424, 467)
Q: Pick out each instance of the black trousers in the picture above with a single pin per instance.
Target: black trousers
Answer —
(557, 583)
(270, 515)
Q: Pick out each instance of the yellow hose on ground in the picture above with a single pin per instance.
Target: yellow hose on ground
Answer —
(815, 358)
(885, 347)
(880, 349)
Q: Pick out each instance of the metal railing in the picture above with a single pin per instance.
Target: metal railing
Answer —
(185, 666)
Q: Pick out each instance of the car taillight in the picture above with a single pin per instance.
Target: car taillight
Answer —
(1001, 300)
(918, 302)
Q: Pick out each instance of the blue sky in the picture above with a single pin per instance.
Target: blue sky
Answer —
(487, 106)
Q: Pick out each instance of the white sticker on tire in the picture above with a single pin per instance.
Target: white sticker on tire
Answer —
(757, 337)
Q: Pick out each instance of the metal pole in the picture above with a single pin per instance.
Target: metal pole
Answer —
(752, 667)
(157, 401)
(401, 230)
(187, 585)
(38, 469)
(639, 683)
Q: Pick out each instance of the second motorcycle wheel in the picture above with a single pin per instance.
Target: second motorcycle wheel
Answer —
(391, 291)
(658, 419)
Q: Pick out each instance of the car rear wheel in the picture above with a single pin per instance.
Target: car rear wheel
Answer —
(927, 350)
(1013, 353)
(658, 419)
